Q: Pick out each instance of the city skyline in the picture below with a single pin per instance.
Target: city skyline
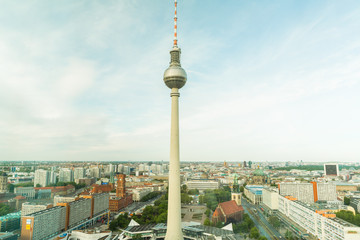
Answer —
(269, 81)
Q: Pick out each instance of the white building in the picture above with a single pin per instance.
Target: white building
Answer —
(52, 177)
(66, 175)
(61, 199)
(323, 226)
(271, 198)
(95, 172)
(139, 193)
(202, 184)
(309, 192)
(42, 177)
(29, 208)
(79, 173)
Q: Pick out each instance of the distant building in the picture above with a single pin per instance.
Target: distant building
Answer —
(79, 173)
(331, 169)
(66, 175)
(95, 172)
(10, 222)
(28, 192)
(3, 182)
(86, 181)
(28, 208)
(42, 177)
(228, 212)
(254, 193)
(355, 203)
(62, 199)
(309, 192)
(121, 200)
(202, 184)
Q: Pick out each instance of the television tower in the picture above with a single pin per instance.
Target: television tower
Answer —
(174, 78)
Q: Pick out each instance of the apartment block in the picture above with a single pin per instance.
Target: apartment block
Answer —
(271, 198)
(42, 177)
(309, 192)
(322, 224)
(202, 184)
(29, 208)
(43, 224)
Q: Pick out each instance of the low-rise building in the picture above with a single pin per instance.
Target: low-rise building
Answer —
(28, 192)
(228, 212)
(202, 184)
(10, 222)
(254, 193)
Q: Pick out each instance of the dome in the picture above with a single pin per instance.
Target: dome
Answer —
(259, 172)
(175, 77)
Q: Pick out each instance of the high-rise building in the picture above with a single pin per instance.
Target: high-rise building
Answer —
(175, 78)
(309, 192)
(52, 177)
(3, 182)
(66, 175)
(120, 188)
(331, 169)
(42, 177)
(95, 172)
(79, 173)
(44, 224)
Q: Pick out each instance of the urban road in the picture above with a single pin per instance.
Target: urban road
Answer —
(264, 226)
(132, 208)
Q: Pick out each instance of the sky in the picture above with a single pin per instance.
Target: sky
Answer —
(267, 80)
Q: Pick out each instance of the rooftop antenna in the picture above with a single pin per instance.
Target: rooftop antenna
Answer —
(175, 26)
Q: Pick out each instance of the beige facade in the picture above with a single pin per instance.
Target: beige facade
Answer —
(3, 183)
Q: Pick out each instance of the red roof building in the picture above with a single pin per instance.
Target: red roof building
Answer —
(227, 212)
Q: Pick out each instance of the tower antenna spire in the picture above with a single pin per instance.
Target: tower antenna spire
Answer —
(175, 25)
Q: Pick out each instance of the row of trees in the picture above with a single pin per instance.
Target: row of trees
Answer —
(349, 217)
(213, 197)
(5, 209)
(150, 196)
(11, 186)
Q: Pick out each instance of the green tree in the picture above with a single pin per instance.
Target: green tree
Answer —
(241, 189)
(262, 238)
(254, 233)
(207, 222)
(207, 212)
(274, 221)
(346, 201)
(185, 198)
(10, 187)
(184, 188)
(38, 185)
(5, 209)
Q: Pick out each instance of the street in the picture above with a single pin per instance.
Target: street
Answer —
(257, 216)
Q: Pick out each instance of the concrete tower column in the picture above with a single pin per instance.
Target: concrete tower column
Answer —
(174, 231)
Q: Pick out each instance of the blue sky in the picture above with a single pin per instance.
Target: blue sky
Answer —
(267, 80)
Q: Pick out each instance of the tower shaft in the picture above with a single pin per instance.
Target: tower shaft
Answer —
(174, 231)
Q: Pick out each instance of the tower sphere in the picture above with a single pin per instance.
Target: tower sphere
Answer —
(175, 76)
